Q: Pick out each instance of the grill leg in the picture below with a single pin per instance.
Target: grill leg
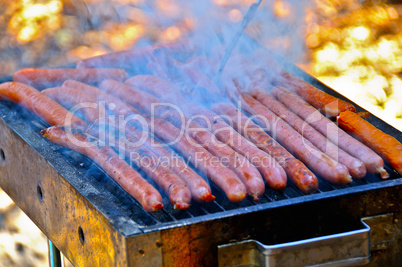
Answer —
(55, 256)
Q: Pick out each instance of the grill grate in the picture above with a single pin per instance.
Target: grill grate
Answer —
(221, 206)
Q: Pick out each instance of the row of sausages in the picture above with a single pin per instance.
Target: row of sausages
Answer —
(287, 138)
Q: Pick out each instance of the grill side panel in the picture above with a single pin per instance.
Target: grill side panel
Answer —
(64, 215)
(196, 244)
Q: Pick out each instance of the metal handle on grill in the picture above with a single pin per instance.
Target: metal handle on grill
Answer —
(342, 249)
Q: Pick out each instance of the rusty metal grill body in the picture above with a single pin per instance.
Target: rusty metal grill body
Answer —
(95, 223)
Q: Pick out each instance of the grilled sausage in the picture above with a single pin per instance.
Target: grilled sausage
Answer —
(320, 163)
(119, 170)
(355, 166)
(384, 144)
(373, 162)
(45, 78)
(40, 104)
(177, 189)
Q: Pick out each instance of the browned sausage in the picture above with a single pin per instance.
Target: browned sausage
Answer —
(384, 144)
(130, 180)
(40, 104)
(177, 189)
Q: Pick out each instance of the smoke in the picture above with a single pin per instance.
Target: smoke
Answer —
(282, 27)
(277, 26)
